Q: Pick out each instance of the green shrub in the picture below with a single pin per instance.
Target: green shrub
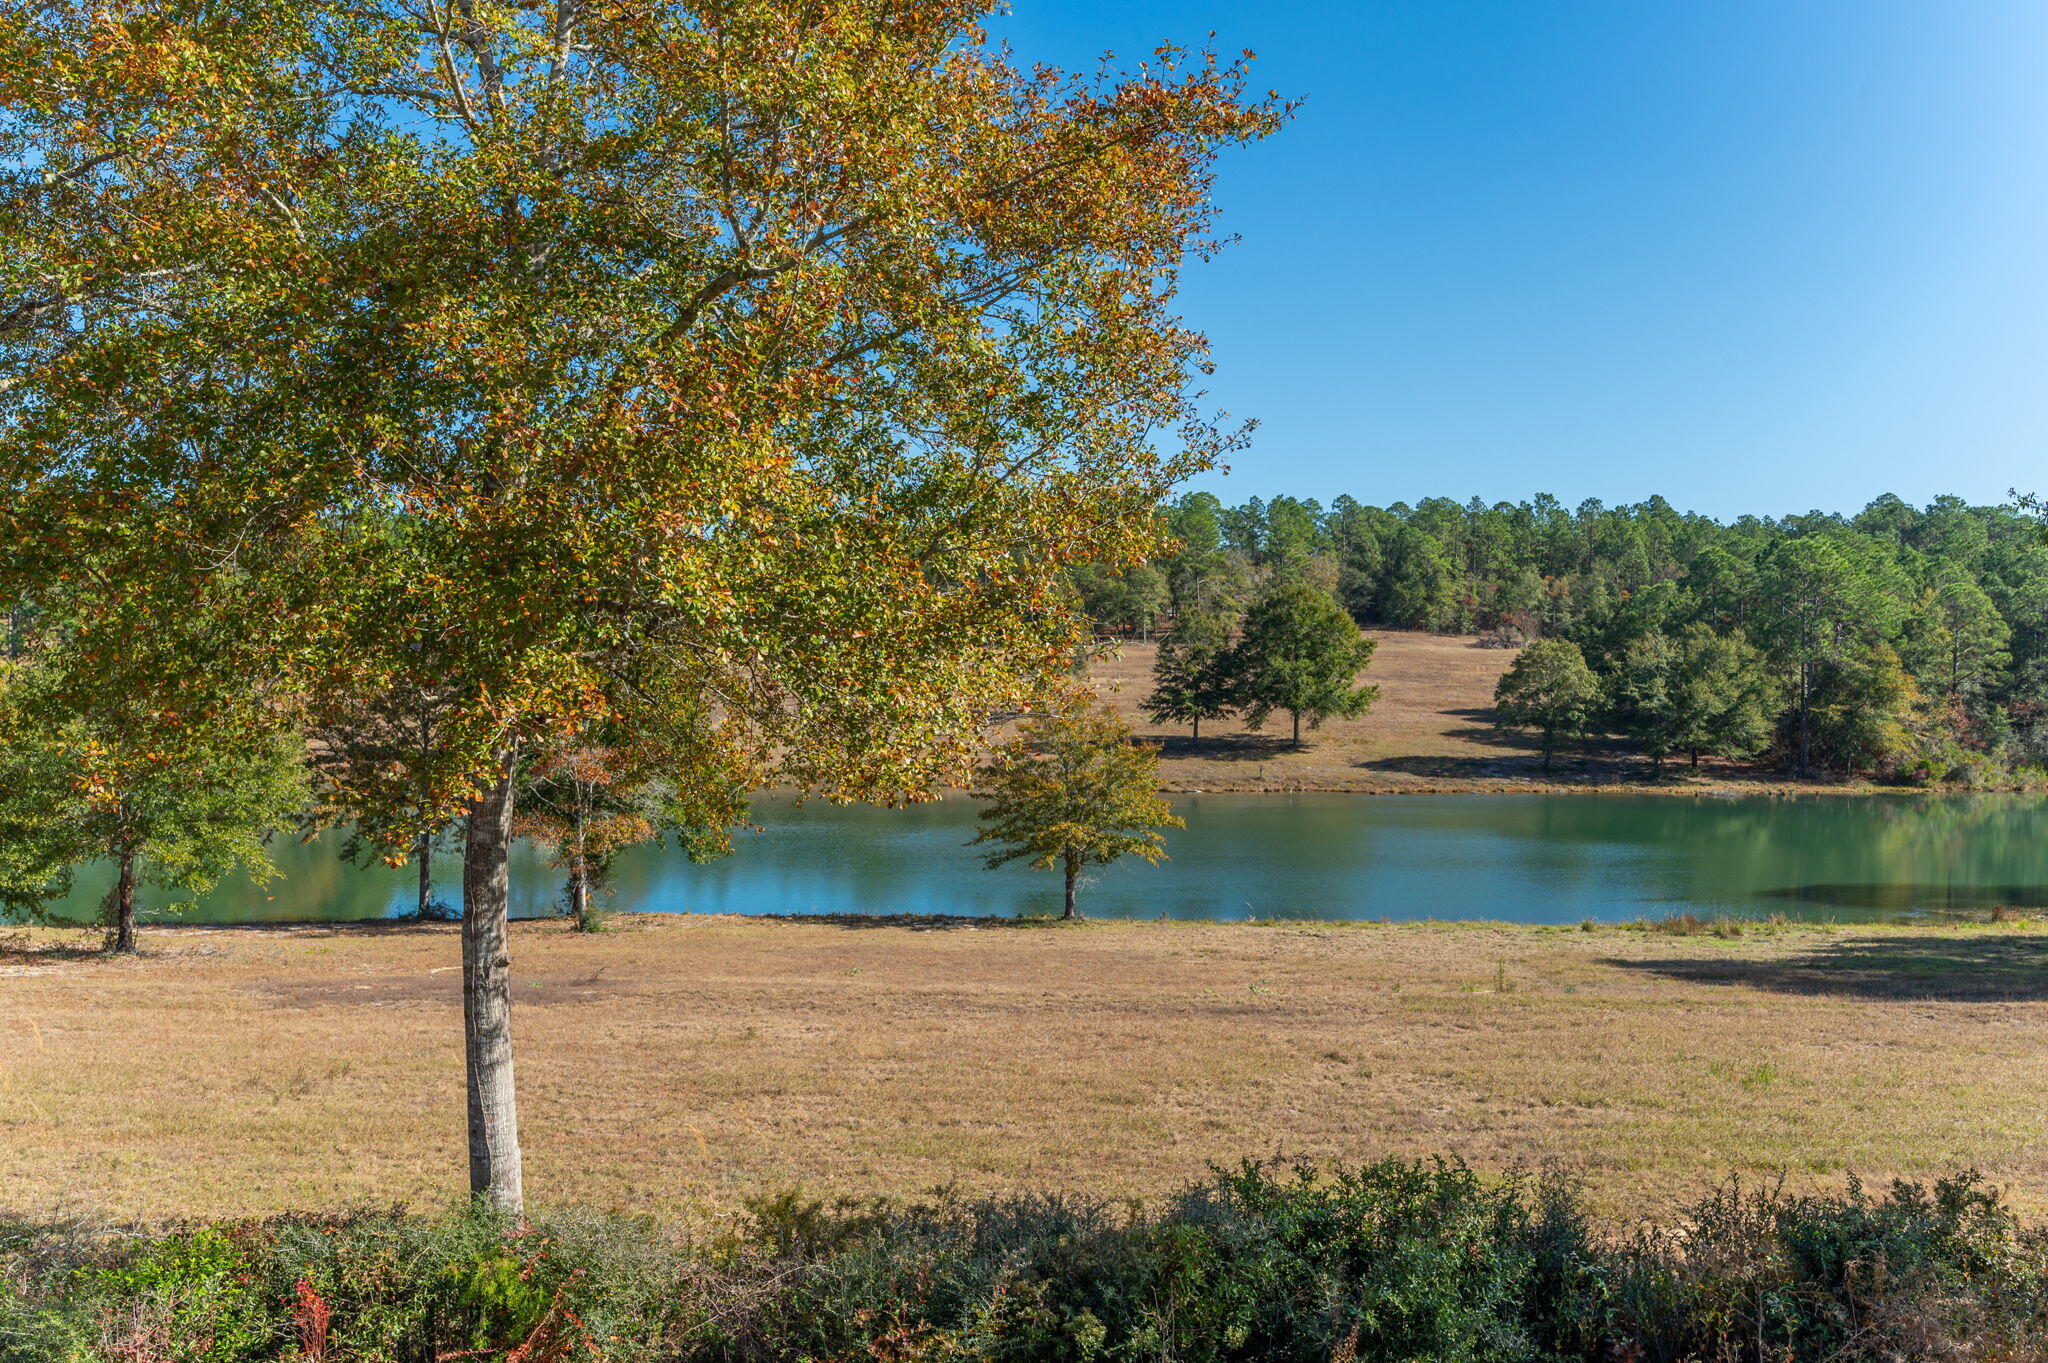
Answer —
(1387, 1262)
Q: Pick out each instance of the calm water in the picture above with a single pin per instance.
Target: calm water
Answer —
(1530, 858)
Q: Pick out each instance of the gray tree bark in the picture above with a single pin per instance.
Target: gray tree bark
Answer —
(494, 1172)
(424, 850)
(579, 901)
(123, 906)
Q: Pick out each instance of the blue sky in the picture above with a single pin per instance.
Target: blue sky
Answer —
(1756, 255)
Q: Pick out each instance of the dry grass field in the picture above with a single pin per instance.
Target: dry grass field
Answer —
(1432, 730)
(689, 1062)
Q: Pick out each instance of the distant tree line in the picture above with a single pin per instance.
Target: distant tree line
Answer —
(1904, 642)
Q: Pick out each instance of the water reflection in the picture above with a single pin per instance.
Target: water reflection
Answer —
(1546, 859)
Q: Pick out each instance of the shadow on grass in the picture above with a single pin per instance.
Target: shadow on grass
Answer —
(915, 922)
(1987, 968)
(1509, 753)
(20, 949)
(1239, 747)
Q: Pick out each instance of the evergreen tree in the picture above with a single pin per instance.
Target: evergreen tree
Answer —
(1122, 601)
(1827, 602)
(1550, 689)
(1419, 585)
(1643, 696)
(1073, 791)
(1190, 680)
(1696, 692)
(1862, 707)
(1956, 644)
(1300, 652)
(1723, 696)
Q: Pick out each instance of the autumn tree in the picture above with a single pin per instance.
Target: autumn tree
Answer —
(748, 372)
(382, 740)
(1300, 651)
(1550, 689)
(1190, 678)
(586, 803)
(1070, 792)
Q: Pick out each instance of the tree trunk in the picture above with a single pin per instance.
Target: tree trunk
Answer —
(1549, 743)
(494, 1173)
(579, 900)
(121, 910)
(1073, 874)
(1805, 720)
(1297, 726)
(423, 848)
(1198, 732)
(1695, 757)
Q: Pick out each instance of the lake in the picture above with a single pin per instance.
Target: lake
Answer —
(1526, 858)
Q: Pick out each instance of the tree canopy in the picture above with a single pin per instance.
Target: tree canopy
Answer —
(745, 374)
(1300, 652)
(1808, 608)
(1550, 689)
(1073, 791)
(173, 805)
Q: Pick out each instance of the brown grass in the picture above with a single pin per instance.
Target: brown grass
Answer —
(1432, 730)
(690, 1061)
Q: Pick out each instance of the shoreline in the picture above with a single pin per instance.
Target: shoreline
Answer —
(1715, 789)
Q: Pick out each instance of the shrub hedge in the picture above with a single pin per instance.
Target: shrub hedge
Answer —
(1389, 1261)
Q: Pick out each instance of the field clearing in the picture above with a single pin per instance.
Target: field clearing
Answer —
(690, 1062)
(1432, 730)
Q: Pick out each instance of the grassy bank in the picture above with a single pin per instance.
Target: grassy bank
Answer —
(1390, 1262)
(687, 1062)
(1430, 732)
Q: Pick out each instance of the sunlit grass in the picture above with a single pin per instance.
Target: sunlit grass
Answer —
(673, 1060)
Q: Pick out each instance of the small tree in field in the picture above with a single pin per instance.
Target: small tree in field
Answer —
(587, 804)
(1190, 682)
(382, 740)
(1549, 688)
(1073, 791)
(178, 808)
(1301, 652)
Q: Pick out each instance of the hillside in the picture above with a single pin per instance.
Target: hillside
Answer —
(1432, 730)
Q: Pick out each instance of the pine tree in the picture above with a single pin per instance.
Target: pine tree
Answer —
(1956, 639)
(1073, 791)
(1189, 680)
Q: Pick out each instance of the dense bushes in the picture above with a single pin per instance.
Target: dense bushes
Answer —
(1390, 1261)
